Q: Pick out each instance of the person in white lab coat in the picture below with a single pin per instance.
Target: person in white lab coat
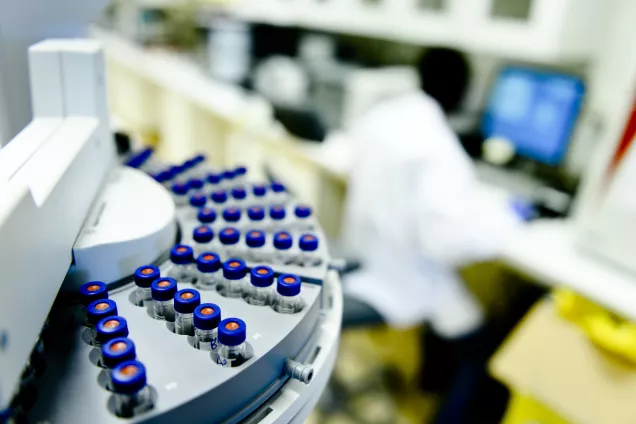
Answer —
(415, 212)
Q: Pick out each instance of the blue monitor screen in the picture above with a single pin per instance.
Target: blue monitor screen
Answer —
(535, 110)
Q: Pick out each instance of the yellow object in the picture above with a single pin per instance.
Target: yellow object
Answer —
(523, 409)
(608, 332)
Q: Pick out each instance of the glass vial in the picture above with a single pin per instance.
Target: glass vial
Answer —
(180, 193)
(282, 247)
(232, 335)
(288, 289)
(229, 238)
(110, 328)
(132, 394)
(203, 237)
(260, 290)
(206, 321)
(256, 247)
(163, 291)
(144, 276)
(276, 217)
(185, 301)
(234, 277)
(208, 270)
(206, 216)
(308, 246)
(182, 258)
(256, 218)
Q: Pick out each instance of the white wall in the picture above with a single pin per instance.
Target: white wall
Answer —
(612, 82)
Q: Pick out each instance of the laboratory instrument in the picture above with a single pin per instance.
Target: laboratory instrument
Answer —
(93, 326)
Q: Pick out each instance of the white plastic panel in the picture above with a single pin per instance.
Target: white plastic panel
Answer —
(131, 222)
(42, 209)
(25, 144)
(50, 176)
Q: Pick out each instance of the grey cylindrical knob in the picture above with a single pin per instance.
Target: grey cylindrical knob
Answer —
(298, 371)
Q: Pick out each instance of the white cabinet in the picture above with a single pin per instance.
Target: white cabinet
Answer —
(536, 30)
(539, 30)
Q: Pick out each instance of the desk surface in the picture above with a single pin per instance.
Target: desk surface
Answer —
(546, 251)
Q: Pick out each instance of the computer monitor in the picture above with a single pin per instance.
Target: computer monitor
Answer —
(536, 110)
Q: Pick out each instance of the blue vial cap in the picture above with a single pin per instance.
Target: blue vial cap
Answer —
(213, 178)
(206, 215)
(203, 234)
(196, 183)
(229, 235)
(308, 243)
(177, 169)
(232, 332)
(129, 377)
(181, 254)
(163, 289)
(93, 290)
(110, 328)
(283, 240)
(180, 188)
(101, 308)
(302, 211)
(240, 171)
(256, 213)
(198, 200)
(288, 285)
(139, 158)
(234, 269)
(277, 212)
(259, 190)
(255, 238)
(219, 197)
(117, 350)
(164, 176)
(145, 275)
(186, 300)
(208, 262)
(239, 193)
(189, 164)
(170, 173)
(278, 187)
(207, 316)
(232, 214)
(262, 276)
(228, 175)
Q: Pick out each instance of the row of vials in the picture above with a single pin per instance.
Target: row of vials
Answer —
(195, 191)
(230, 278)
(253, 246)
(126, 374)
(257, 217)
(195, 169)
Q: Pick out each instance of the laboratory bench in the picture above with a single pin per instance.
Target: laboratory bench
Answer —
(546, 250)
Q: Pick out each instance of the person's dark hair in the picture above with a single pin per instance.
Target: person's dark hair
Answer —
(444, 75)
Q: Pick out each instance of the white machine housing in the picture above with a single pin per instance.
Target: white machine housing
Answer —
(69, 214)
(57, 180)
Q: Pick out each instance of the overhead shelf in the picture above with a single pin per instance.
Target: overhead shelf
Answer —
(534, 30)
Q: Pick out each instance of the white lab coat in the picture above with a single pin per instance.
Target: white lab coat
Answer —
(414, 215)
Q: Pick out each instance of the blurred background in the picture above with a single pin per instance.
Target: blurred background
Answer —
(506, 292)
